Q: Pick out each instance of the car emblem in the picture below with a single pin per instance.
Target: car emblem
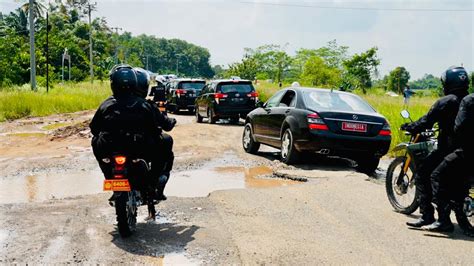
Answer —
(355, 117)
(237, 95)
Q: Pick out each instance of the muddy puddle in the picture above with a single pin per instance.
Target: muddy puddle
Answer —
(192, 183)
(201, 182)
(41, 187)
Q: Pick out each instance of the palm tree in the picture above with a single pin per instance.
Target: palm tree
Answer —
(18, 22)
(38, 8)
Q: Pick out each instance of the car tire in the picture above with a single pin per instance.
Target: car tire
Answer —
(211, 118)
(248, 142)
(288, 152)
(367, 166)
(198, 116)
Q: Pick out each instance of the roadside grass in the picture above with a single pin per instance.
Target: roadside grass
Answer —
(20, 101)
(388, 106)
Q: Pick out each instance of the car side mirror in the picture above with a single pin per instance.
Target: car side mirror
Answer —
(259, 104)
(405, 114)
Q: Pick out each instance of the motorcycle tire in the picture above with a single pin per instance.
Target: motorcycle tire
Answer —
(465, 222)
(408, 208)
(126, 214)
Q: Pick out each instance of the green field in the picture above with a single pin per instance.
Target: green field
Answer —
(18, 102)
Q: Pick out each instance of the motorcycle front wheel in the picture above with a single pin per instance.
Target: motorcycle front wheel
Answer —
(400, 187)
(126, 211)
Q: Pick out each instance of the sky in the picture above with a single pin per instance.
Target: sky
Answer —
(417, 34)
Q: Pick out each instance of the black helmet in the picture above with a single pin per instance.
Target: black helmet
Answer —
(454, 79)
(143, 81)
(123, 80)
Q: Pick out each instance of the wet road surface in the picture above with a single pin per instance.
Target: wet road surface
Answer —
(224, 206)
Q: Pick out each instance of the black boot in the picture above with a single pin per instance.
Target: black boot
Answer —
(443, 224)
(425, 219)
(162, 180)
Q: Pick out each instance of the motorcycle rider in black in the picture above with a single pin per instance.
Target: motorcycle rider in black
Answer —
(443, 112)
(128, 123)
(161, 154)
(451, 177)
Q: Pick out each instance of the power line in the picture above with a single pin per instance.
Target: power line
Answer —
(356, 8)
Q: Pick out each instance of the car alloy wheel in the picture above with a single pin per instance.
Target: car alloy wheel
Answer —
(247, 136)
(286, 145)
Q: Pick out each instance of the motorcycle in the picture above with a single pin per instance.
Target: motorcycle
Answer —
(400, 179)
(127, 179)
(400, 182)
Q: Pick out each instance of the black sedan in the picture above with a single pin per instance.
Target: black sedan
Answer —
(326, 122)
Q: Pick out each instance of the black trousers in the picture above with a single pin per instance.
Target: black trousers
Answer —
(162, 156)
(423, 181)
(450, 180)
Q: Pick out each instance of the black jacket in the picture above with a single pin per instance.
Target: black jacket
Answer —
(443, 112)
(127, 123)
(464, 125)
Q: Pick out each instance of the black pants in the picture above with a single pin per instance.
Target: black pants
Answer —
(162, 156)
(450, 180)
(423, 181)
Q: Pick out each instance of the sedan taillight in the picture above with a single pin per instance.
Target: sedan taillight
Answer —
(385, 131)
(315, 122)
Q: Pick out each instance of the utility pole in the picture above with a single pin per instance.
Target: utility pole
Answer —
(32, 45)
(116, 43)
(90, 46)
(47, 50)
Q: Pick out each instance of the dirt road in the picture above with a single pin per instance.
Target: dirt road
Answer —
(224, 206)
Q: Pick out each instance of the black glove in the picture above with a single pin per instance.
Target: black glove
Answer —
(404, 126)
(172, 121)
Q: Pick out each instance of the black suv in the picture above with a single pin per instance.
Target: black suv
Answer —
(181, 93)
(233, 99)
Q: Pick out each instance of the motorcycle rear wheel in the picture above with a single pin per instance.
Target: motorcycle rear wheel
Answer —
(465, 217)
(402, 197)
(126, 212)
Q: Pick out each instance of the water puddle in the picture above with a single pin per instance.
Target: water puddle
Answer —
(201, 182)
(192, 183)
(175, 259)
(41, 187)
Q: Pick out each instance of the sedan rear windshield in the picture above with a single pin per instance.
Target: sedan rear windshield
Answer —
(197, 85)
(331, 101)
(236, 87)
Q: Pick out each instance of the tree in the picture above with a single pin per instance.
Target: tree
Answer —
(246, 69)
(271, 60)
(427, 82)
(333, 54)
(398, 79)
(317, 73)
(360, 68)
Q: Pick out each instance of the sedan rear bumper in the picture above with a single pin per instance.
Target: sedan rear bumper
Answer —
(353, 147)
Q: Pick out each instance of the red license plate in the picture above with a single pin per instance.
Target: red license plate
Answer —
(354, 127)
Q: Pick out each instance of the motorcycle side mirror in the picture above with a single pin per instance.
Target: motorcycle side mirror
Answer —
(405, 114)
